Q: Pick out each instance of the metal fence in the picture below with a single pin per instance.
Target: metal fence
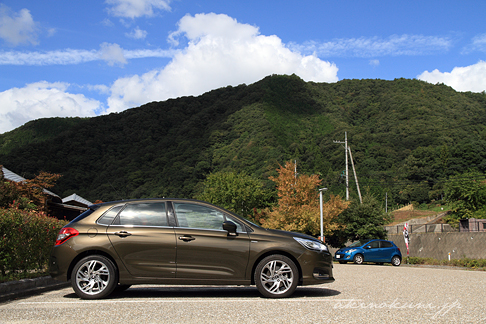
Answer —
(422, 228)
(472, 225)
(468, 225)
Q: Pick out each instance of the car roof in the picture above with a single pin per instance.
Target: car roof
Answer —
(127, 201)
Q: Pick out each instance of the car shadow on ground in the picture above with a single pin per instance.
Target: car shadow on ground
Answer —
(209, 292)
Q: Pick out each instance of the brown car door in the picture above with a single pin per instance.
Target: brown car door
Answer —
(143, 240)
(204, 249)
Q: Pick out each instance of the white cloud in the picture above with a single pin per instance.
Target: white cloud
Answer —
(17, 28)
(112, 54)
(62, 57)
(137, 33)
(220, 52)
(42, 99)
(136, 8)
(107, 22)
(72, 56)
(468, 78)
(374, 62)
(478, 44)
(376, 46)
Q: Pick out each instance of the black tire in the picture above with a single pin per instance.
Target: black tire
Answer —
(358, 259)
(396, 261)
(343, 262)
(276, 276)
(94, 277)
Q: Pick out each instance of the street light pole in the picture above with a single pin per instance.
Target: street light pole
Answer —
(322, 225)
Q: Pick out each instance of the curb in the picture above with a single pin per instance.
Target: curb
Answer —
(28, 287)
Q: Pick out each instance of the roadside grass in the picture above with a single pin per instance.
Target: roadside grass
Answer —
(473, 264)
(476, 264)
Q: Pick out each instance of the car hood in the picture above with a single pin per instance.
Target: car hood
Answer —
(291, 234)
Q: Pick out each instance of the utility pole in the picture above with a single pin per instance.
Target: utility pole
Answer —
(386, 202)
(355, 175)
(295, 171)
(346, 159)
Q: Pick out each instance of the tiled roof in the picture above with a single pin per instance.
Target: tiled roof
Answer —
(76, 198)
(9, 175)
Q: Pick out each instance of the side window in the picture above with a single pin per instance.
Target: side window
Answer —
(108, 216)
(375, 244)
(197, 216)
(143, 214)
(386, 244)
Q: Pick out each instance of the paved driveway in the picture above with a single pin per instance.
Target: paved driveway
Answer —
(361, 294)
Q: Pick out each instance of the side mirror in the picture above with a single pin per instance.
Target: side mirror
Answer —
(368, 247)
(230, 227)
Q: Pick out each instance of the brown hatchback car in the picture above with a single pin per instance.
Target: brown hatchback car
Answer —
(182, 242)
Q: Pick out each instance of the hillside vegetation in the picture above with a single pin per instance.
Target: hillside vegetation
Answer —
(407, 137)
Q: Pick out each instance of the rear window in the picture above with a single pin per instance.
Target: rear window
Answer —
(385, 244)
(108, 217)
(83, 215)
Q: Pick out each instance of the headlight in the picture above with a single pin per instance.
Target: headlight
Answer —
(311, 245)
(351, 251)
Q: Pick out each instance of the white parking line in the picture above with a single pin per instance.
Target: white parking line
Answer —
(192, 300)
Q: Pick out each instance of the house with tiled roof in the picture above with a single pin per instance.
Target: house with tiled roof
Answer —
(62, 208)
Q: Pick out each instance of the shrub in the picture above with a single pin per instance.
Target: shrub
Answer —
(26, 239)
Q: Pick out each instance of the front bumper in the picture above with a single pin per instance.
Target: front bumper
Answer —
(316, 268)
(343, 257)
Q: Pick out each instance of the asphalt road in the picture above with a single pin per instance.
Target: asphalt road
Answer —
(360, 294)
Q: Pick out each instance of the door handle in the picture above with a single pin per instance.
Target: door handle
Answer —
(186, 238)
(123, 234)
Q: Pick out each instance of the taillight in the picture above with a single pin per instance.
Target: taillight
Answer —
(65, 234)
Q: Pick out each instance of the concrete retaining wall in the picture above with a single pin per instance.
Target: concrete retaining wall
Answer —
(438, 245)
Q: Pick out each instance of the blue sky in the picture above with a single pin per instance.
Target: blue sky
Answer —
(86, 58)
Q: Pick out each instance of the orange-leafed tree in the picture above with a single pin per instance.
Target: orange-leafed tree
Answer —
(298, 206)
(28, 193)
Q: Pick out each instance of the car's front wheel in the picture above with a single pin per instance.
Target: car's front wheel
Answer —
(94, 277)
(358, 259)
(276, 276)
(396, 261)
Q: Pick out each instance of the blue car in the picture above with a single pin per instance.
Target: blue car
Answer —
(378, 251)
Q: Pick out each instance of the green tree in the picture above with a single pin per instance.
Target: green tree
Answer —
(466, 195)
(360, 222)
(237, 192)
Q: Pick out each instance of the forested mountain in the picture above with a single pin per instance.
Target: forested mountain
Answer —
(407, 137)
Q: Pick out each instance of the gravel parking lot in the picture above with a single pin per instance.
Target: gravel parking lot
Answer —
(360, 294)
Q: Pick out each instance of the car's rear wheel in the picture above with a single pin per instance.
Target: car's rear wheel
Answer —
(94, 277)
(396, 261)
(276, 276)
(358, 259)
